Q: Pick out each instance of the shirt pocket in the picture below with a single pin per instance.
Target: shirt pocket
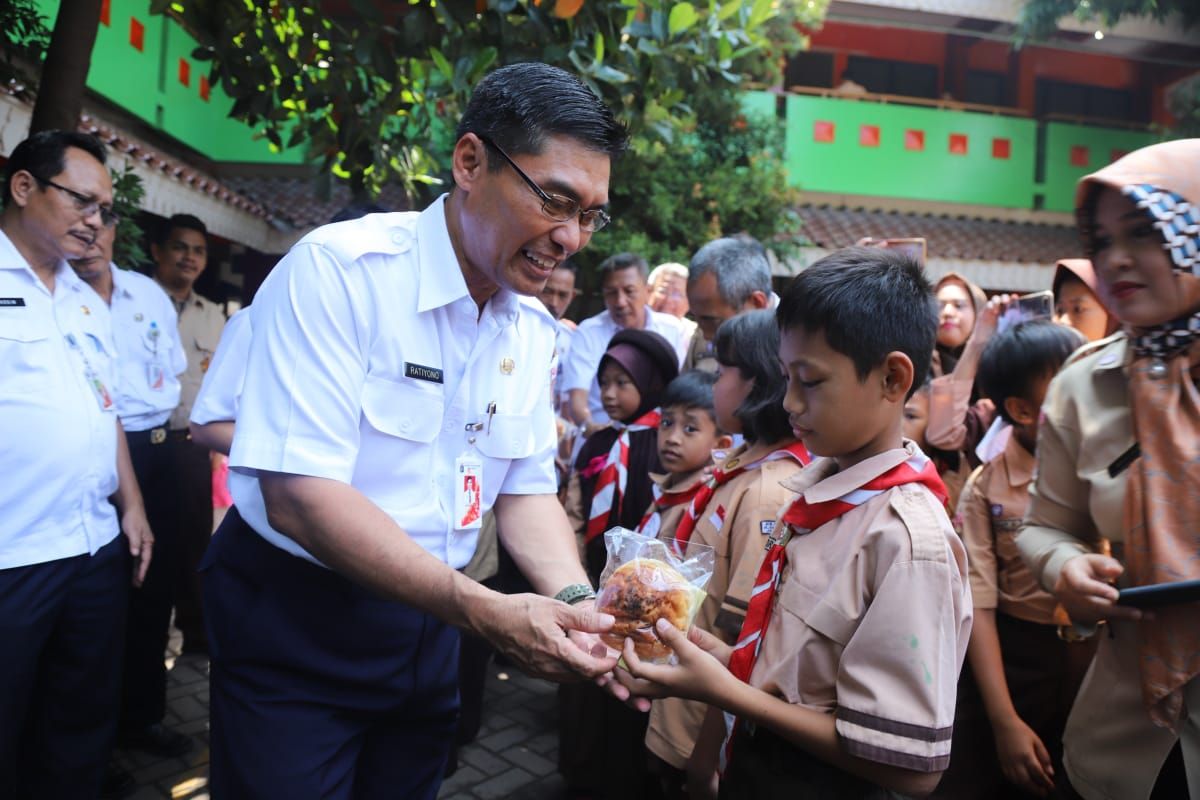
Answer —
(409, 410)
(506, 437)
(818, 633)
(27, 355)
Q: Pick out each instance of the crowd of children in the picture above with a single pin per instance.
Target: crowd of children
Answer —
(919, 516)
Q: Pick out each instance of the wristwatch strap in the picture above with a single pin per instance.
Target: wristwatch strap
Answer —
(575, 593)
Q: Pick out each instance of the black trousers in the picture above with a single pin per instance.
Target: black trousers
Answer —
(144, 685)
(62, 625)
(193, 471)
(320, 688)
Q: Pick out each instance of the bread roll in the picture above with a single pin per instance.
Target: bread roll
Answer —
(639, 593)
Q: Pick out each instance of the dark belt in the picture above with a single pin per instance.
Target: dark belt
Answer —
(151, 436)
(179, 435)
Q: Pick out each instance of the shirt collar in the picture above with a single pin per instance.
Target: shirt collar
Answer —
(11, 258)
(673, 482)
(821, 481)
(120, 280)
(1018, 463)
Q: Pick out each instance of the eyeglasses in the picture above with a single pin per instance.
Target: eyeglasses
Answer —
(556, 206)
(85, 204)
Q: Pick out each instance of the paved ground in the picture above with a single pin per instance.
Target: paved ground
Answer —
(515, 755)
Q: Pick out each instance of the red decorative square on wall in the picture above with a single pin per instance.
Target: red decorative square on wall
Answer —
(1001, 148)
(958, 144)
(868, 135)
(106, 13)
(914, 140)
(185, 72)
(204, 91)
(1117, 155)
(137, 34)
(823, 131)
(1080, 157)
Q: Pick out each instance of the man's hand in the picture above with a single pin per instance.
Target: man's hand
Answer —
(546, 638)
(700, 672)
(1084, 587)
(1023, 757)
(136, 528)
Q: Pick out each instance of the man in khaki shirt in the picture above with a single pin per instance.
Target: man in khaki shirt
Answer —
(180, 253)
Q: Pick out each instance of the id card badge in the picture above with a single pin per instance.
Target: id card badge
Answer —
(156, 376)
(468, 491)
(93, 379)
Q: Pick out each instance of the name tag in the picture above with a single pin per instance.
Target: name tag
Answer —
(12, 302)
(421, 373)
(468, 492)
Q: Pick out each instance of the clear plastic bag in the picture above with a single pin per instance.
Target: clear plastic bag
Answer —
(644, 581)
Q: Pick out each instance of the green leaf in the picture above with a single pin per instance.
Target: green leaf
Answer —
(441, 63)
(683, 16)
(598, 47)
(485, 58)
(760, 13)
(724, 48)
(729, 9)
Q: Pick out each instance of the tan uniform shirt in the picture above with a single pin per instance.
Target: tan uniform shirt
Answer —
(1086, 426)
(989, 517)
(200, 324)
(700, 354)
(668, 518)
(872, 618)
(735, 524)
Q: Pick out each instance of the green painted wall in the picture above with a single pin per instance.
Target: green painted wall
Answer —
(147, 83)
(1090, 149)
(889, 169)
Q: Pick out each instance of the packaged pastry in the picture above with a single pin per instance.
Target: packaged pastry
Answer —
(643, 582)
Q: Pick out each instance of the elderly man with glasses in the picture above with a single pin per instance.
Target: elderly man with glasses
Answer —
(69, 490)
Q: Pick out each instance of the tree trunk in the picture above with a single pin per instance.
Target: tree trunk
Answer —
(64, 75)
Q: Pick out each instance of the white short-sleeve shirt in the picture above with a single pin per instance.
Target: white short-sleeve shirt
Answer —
(591, 341)
(221, 390)
(58, 446)
(370, 364)
(150, 356)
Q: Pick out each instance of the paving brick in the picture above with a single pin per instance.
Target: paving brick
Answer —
(158, 770)
(487, 763)
(187, 708)
(147, 792)
(502, 785)
(506, 738)
(552, 787)
(465, 777)
(543, 743)
(189, 784)
(530, 761)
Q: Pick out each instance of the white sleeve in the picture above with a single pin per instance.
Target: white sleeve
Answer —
(221, 390)
(583, 359)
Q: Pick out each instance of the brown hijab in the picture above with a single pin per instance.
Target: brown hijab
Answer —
(1162, 500)
(945, 358)
(1082, 269)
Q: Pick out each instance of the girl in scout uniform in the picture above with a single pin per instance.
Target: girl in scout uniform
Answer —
(734, 512)
(1119, 458)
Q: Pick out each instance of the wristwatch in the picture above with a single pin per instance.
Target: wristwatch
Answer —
(575, 593)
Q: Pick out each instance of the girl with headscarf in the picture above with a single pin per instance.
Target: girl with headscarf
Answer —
(1119, 459)
(601, 751)
(1076, 302)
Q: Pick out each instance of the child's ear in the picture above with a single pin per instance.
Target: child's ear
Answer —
(898, 374)
(1020, 410)
(724, 442)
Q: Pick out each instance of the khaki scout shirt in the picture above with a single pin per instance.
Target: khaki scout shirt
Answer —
(700, 354)
(989, 516)
(200, 324)
(1086, 426)
(872, 617)
(670, 483)
(736, 523)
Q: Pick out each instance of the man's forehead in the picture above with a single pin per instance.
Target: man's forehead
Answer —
(87, 175)
(624, 277)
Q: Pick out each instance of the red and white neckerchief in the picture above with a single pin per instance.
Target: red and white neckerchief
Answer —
(652, 522)
(614, 475)
(802, 518)
(729, 470)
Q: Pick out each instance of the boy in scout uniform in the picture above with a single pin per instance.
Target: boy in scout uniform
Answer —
(843, 679)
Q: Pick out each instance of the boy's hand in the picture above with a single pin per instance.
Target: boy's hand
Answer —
(1084, 588)
(1023, 757)
(698, 675)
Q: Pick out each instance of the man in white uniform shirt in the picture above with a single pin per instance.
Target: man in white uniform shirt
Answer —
(398, 387)
(64, 566)
(626, 305)
(149, 360)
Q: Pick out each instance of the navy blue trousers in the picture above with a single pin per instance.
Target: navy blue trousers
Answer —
(320, 688)
(62, 630)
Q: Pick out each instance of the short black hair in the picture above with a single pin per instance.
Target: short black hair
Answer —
(519, 106)
(750, 342)
(43, 155)
(622, 261)
(185, 221)
(1022, 354)
(569, 266)
(692, 389)
(868, 302)
(356, 211)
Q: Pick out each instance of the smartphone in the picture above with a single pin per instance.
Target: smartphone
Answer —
(1028, 307)
(1160, 594)
(914, 246)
